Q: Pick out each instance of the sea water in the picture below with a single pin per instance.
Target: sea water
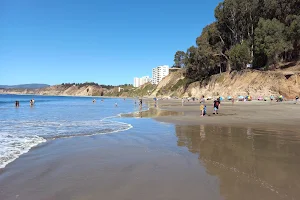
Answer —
(54, 117)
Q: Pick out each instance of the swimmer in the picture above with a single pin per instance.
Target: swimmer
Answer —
(116, 105)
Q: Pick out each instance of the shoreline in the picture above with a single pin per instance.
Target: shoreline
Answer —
(152, 159)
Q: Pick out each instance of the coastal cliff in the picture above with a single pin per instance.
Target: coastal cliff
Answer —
(60, 90)
(251, 82)
(246, 82)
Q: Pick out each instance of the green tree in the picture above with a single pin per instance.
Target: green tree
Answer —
(179, 59)
(293, 34)
(270, 39)
(240, 55)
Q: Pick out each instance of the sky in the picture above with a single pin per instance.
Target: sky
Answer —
(103, 41)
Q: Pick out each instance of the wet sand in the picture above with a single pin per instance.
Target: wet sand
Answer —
(229, 156)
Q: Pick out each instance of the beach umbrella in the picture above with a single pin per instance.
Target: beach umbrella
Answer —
(241, 97)
(229, 97)
(221, 98)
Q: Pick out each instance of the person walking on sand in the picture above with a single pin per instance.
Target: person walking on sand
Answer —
(232, 100)
(216, 106)
(297, 98)
(202, 100)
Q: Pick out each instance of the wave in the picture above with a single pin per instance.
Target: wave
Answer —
(19, 137)
(13, 146)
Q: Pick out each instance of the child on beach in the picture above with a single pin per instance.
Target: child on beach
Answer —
(203, 110)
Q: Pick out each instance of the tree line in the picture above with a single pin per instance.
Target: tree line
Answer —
(260, 33)
(94, 84)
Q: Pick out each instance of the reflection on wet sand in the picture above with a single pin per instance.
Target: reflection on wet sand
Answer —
(152, 112)
(250, 163)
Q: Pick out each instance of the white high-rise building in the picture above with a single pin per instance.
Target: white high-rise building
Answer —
(141, 81)
(159, 73)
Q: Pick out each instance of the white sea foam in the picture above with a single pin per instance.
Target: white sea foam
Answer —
(18, 138)
(13, 146)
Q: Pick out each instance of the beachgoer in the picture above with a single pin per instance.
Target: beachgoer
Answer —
(116, 104)
(31, 103)
(216, 106)
(297, 98)
(94, 100)
(202, 100)
(17, 104)
(141, 102)
(232, 100)
(202, 110)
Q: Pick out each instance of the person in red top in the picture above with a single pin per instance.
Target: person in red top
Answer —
(216, 106)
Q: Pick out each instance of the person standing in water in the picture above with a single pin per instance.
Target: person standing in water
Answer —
(141, 102)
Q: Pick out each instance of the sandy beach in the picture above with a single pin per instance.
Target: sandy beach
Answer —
(268, 115)
(250, 150)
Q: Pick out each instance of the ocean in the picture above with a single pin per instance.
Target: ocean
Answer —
(55, 117)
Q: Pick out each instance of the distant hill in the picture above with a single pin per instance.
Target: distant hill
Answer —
(25, 86)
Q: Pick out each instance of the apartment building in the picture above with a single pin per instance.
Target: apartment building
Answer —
(159, 73)
(137, 82)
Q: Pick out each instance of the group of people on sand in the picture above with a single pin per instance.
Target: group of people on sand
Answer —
(216, 106)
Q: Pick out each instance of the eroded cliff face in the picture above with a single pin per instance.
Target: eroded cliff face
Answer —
(60, 90)
(247, 82)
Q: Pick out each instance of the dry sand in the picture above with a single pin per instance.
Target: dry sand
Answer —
(272, 115)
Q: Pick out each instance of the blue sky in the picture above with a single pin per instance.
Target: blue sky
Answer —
(104, 41)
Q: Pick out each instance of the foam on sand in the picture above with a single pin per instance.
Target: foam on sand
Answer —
(13, 146)
(18, 138)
